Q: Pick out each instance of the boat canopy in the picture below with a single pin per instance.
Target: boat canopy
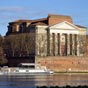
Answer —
(27, 64)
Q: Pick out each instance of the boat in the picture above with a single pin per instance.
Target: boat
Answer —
(26, 69)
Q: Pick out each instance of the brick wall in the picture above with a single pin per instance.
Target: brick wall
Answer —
(87, 45)
(63, 64)
(58, 19)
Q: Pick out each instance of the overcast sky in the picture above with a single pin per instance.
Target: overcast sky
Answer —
(11, 10)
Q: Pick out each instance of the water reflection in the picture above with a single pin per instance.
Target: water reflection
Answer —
(32, 81)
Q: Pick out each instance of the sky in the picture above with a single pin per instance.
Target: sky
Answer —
(11, 10)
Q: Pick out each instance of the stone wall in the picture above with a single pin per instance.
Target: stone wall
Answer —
(65, 63)
(87, 45)
(82, 45)
(41, 41)
(41, 45)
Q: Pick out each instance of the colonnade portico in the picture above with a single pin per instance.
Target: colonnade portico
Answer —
(63, 44)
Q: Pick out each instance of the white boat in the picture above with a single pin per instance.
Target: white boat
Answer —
(27, 69)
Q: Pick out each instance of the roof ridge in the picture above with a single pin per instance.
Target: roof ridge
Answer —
(58, 15)
(41, 19)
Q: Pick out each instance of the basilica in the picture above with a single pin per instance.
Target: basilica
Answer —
(55, 35)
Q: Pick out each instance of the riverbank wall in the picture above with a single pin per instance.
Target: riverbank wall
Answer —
(64, 63)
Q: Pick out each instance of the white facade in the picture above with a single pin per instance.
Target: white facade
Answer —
(60, 39)
(64, 27)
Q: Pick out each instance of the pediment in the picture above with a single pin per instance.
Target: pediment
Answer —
(64, 25)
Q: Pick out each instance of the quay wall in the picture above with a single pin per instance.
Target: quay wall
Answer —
(64, 63)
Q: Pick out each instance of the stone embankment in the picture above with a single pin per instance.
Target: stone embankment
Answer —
(63, 86)
(65, 63)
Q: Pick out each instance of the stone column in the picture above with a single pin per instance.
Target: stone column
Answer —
(48, 42)
(60, 44)
(56, 44)
(78, 53)
(17, 28)
(68, 44)
(51, 48)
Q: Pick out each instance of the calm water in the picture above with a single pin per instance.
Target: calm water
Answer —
(32, 81)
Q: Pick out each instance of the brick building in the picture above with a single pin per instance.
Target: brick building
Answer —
(55, 35)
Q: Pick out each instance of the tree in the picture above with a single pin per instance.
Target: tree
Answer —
(20, 45)
(1, 40)
(3, 60)
(41, 42)
(82, 44)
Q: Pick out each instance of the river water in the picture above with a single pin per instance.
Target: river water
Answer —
(31, 81)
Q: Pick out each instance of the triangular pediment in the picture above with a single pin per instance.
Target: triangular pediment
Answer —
(64, 25)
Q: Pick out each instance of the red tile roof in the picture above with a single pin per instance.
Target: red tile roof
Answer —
(50, 20)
